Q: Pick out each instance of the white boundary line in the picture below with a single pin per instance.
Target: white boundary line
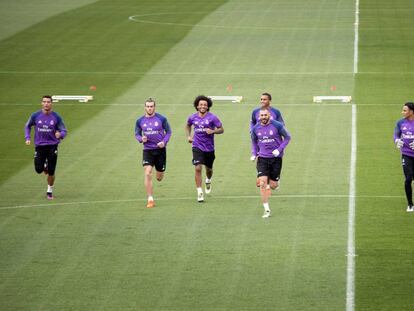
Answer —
(169, 73)
(350, 278)
(141, 19)
(350, 269)
(211, 73)
(309, 196)
(252, 104)
(356, 37)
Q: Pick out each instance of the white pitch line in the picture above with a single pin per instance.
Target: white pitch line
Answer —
(185, 73)
(285, 196)
(356, 37)
(350, 270)
(211, 73)
(350, 278)
(176, 199)
(228, 104)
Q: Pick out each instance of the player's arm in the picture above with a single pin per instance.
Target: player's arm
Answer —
(253, 120)
(61, 129)
(167, 131)
(28, 129)
(138, 132)
(217, 127)
(397, 135)
(216, 130)
(284, 134)
(255, 148)
(188, 133)
(286, 138)
(278, 115)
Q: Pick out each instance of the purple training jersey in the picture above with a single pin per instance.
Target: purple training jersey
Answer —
(405, 130)
(266, 138)
(45, 126)
(155, 128)
(202, 140)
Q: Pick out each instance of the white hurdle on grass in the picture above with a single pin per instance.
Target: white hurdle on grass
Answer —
(233, 99)
(80, 98)
(320, 99)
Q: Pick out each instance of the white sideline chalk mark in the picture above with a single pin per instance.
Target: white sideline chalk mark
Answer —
(210, 73)
(251, 104)
(184, 73)
(141, 19)
(356, 37)
(350, 275)
(283, 196)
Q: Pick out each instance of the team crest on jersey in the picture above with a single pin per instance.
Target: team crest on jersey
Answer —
(271, 132)
(404, 128)
(39, 122)
(156, 123)
(51, 122)
(196, 122)
(207, 122)
(259, 134)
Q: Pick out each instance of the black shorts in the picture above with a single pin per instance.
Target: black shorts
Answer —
(407, 163)
(45, 159)
(155, 157)
(203, 157)
(270, 167)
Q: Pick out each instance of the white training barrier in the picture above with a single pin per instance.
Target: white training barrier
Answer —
(233, 99)
(320, 99)
(80, 98)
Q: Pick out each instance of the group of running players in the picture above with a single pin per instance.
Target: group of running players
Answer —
(269, 138)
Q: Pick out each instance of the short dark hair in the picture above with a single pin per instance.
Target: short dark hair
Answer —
(203, 97)
(410, 105)
(268, 95)
(150, 100)
(48, 96)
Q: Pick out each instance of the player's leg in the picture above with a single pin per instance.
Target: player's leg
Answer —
(208, 163)
(148, 185)
(274, 176)
(160, 163)
(262, 167)
(52, 155)
(39, 159)
(408, 168)
(148, 164)
(198, 161)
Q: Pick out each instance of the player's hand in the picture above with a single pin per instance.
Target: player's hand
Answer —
(161, 144)
(253, 158)
(276, 153)
(411, 145)
(144, 139)
(190, 139)
(209, 131)
(399, 143)
(28, 142)
(58, 135)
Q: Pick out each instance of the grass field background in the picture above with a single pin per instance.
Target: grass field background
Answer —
(97, 247)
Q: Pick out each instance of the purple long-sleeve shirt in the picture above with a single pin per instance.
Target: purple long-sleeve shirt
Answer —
(404, 130)
(46, 125)
(202, 140)
(155, 128)
(266, 138)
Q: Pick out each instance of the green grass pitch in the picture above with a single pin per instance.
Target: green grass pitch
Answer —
(96, 246)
